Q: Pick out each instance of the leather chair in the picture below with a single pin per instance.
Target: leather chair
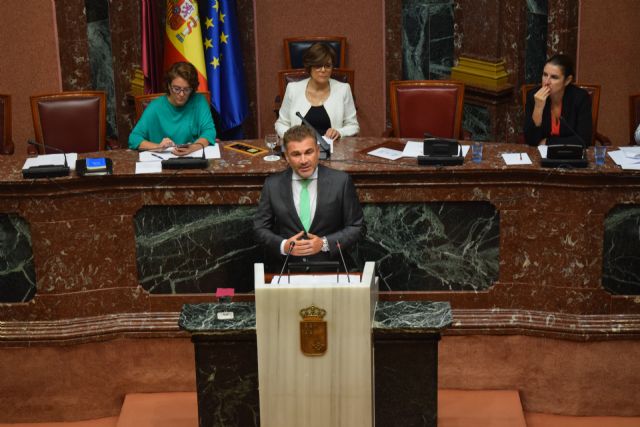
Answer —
(594, 93)
(141, 101)
(433, 106)
(73, 122)
(295, 47)
(6, 143)
(634, 116)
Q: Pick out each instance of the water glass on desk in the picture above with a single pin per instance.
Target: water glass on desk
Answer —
(271, 140)
(476, 151)
(600, 151)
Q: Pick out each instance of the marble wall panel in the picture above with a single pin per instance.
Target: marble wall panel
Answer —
(421, 246)
(65, 266)
(536, 40)
(195, 249)
(17, 271)
(476, 119)
(432, 246)
(621, 251)
(427, 39)
(75, 67)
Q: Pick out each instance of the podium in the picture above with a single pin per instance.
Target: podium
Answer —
(314, 342)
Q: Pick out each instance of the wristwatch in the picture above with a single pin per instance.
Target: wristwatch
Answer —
(325, 245)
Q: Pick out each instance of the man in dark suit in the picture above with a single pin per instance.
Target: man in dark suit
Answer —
(307, 208)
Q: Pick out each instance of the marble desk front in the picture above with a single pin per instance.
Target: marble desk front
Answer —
(515, 249)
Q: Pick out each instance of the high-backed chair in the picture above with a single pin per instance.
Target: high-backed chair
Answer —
(141, 101)
(295, 47)
(70, 121)
(634, 116)
(6, 143)
(594, 93)
(420, 106)
(288, 76)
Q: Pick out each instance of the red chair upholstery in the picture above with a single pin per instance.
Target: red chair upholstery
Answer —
(287, 76)
(70, 121)
(295, 47)
(141, 101)
(6, 143)
(594, 93)
(433, 106)
(634, 116)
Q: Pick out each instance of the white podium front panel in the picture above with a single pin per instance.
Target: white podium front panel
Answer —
(332, 389)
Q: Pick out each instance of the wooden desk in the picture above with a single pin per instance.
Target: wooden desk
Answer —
(515, 249)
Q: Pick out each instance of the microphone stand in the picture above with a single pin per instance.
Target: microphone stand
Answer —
(325, 149)
(291, 245)
(343, 263)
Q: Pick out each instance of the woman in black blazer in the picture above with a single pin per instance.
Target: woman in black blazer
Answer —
(558, 112)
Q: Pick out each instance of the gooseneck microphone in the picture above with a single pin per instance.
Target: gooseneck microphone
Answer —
(325, 151)
(47, 171)
(291, 245)
(342, 258)
(568, 126)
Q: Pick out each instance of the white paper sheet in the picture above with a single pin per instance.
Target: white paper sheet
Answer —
(543, 151)
(51, 159)
(621, 159)
(210, 152)
(386, 153)
(516, 159)
(148, 167)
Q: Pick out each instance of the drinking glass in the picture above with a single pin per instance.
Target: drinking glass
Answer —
(600, 152)
(271, 140)
(476, 151)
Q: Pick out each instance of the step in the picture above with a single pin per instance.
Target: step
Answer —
(482, 408)
(159, 410)
(549, 420)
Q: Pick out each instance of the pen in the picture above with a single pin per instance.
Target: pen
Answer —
(155, 155)
(520, 156)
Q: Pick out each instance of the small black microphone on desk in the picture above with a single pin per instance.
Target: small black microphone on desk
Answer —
(325, 151)
(563, 120)
(187, 162)
(46, 171)
(291, 245)
(343, 263)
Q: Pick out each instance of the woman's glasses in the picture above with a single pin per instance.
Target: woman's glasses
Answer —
(320, 67)
(178, 90)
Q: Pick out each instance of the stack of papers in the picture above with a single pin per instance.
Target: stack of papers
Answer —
(626, 157)
(52, 159)
(151, 161)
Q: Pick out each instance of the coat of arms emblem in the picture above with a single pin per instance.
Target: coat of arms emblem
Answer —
(313, 331)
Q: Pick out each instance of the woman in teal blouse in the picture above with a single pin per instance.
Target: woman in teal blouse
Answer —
(180, 119)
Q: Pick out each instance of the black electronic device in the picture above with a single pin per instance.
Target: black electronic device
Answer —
(93, 166)
(46, 171)
(187, 162)
(441, 151)
(325, 148)
(565, 156)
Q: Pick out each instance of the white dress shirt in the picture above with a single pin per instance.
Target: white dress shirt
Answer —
(296, 187)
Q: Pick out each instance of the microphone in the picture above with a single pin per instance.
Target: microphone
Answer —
(343, 263)
(187, 162)
(46, 171)
(325, 151)
(563, 120)
(291, 245)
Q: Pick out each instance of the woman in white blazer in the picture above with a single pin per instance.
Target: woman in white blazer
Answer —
(325, 103)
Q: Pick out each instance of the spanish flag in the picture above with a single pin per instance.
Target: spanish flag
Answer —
(183, 37)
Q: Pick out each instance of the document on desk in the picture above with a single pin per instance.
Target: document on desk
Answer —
(416, 148)
(51, 159)
(543, 151)
(516, 159)
(148, 167)
(312, 279)
(386, 153)
(626, 158)
(210, 152)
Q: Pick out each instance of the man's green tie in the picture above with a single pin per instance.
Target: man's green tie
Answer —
(305, 205)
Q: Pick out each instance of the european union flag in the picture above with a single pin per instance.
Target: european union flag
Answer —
(224, 62)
